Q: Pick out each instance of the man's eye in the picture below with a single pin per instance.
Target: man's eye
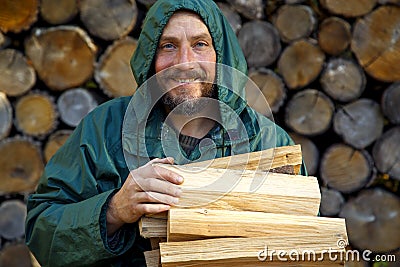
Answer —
(201, 44)
(167, 46)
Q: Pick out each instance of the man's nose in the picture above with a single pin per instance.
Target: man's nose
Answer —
(185, 56)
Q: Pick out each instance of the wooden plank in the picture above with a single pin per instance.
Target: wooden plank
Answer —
(227, 189)
(152, 258)
(153, 227)
(259, 251)
(194, 224)
(260, 160)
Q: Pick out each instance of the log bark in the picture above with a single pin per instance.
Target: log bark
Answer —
(373, 220)
(266, 91)
(379, 59)
(36, 114)
(343, 80)
(265, 37)
(359, 123)
(386, 153)
(16, 16)
(309, 112)
(250, 9)
(309, 151)
(6, 116)
(108, 19)
(349, 8)
(391, 102)
(247, 190)
(12, 220)
(346, 169)
(55, 141)
(334, 35)
(58, 12)
(113, 72)
(63, 56)
(73, 105)
(231, 15)
(294, 22)
(384, 2)
(300, 63)
(245, 251)
(15, 256)
(18, 76)
(195, 224)
(264, 160)
(332, 202)
(23, 166)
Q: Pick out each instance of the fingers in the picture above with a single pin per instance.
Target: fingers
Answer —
(159, 186)
(154, 171)
(152, 208)
(154, 197)
(167, 160)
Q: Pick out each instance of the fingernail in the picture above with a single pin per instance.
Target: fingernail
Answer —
(178, 192)
(179, 179)
(175, 200)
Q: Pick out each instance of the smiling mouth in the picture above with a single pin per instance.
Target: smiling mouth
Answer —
(184, 80)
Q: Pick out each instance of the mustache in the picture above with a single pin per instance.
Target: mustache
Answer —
(187, 74)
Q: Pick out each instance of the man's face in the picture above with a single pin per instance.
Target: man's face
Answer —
(183, 50)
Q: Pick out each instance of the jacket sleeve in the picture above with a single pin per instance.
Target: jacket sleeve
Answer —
(66, 220)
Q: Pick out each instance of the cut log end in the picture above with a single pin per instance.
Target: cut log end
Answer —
(359, 123)
(16, 16)
(109, 20)
(58, 12)
(309, 112)
(113, 72)
(6, 116)
(373, 220)
(300, 63)
(265, 37)
(18, 77)
(343, 80)
(265, 91)
(334, 35)
(379, 59)
(345, 169)
(23, 166)
(36, 115)
(63, 56)
(295, 22)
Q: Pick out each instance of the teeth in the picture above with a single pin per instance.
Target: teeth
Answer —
(185, 80)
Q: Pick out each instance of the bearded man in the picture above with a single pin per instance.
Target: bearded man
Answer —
(102, 180)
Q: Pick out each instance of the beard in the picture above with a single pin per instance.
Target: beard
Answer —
(184, 103)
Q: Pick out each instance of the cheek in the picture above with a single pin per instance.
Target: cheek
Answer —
(161, 63)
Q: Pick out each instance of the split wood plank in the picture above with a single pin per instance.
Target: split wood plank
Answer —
(152, 258)
(247, 190)
(260, 160)
(150, 227)
(195, 224)
(247, 251)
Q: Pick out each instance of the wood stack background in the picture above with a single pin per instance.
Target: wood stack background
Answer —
(330, 70)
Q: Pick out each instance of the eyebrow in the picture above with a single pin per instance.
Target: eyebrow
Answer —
(196, 37)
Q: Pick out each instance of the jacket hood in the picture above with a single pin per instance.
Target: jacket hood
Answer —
(227, 48)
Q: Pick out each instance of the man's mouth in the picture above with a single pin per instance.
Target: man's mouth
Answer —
(185, 80)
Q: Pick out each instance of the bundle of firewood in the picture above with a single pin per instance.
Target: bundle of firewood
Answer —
(244, 215)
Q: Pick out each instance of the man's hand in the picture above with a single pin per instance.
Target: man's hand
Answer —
(147, 190)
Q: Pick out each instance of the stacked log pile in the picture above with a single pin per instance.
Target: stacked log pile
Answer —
(329, 70)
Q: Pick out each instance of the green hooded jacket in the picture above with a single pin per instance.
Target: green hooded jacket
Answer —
(66, 221)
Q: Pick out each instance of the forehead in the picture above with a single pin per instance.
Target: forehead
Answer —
(185, 21)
